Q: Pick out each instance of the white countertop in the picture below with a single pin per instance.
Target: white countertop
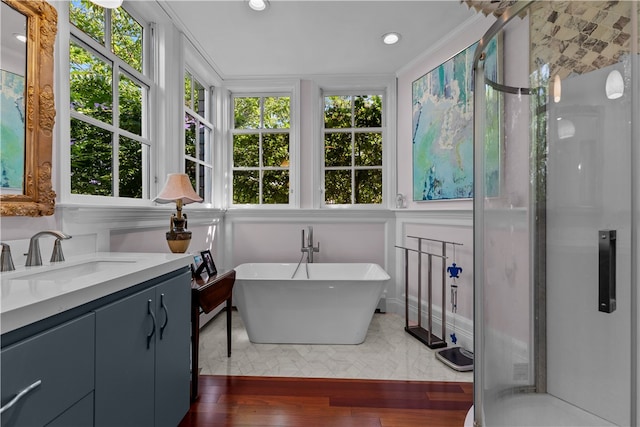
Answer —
(30, 294)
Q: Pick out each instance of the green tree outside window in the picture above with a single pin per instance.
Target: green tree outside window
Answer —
(261, 149)
(107, 149)
(352, 149)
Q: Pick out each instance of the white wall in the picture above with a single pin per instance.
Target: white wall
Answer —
(450, 220)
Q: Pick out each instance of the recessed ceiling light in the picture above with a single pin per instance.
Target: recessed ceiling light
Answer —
(20, 37)
(258, 4)
(391, 38)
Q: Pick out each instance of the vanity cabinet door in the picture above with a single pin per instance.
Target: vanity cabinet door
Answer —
(142, 357)
(124, 394)
(56, 367)
(79, 415)
(173, 351)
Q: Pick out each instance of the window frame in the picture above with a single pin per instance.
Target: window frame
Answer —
(144, 79)
(207, 120)
(383, 130)
(290, 88)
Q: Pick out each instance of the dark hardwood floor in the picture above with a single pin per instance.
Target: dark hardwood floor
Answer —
(312, 402)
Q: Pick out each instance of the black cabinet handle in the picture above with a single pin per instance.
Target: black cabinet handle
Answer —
(166, 315)
(607, 271)
(153, 317)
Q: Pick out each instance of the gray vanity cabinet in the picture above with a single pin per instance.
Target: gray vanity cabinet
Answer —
(142, 357)
(58, 364)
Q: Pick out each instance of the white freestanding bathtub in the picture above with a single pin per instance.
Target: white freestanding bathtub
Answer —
(333, 306)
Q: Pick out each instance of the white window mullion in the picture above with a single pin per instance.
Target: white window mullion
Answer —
(146, 170)
(115, 102)
(107, 29)
(260, 161)
(353, 156)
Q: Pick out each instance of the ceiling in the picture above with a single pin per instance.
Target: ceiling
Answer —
(311, 38)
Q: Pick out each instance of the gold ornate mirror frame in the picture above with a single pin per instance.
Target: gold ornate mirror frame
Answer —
(38, 198)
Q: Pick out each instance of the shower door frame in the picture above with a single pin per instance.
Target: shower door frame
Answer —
(538, 219)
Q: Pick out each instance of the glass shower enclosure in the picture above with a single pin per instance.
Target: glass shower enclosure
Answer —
(556, 252)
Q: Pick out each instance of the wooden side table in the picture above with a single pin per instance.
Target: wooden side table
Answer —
(205, 296)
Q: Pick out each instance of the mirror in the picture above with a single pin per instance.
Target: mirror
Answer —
(28, 110)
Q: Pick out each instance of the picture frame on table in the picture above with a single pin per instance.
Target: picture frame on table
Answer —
(198, 267)
(207, 260)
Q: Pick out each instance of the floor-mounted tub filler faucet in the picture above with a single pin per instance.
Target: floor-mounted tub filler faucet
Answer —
(33, 256)
(307, 246)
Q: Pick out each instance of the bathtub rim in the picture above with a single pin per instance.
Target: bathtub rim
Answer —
(381, 273)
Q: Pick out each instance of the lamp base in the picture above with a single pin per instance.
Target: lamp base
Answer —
(178, 240)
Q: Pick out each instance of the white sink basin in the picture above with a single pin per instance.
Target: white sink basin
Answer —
(67, 272)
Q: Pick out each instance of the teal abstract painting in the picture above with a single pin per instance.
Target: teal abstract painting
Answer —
(443, 130)
(12, 136)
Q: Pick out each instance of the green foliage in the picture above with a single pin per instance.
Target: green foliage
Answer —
(91, 159)
(130, 105)
(130, 170)
(188, 83)
(367, 111)
(89, 18)
(246, 187)
(126, 38)
(357, 145)
(246, 113)
(277, 112)
(337, 112)
(368, 186)
(337, 185)
(190, 135)
(246, 150)
(91, 94)
(275, 149)
(90, 84)
(368, 149)
(337, 149)
(275, 187)
(260, 154)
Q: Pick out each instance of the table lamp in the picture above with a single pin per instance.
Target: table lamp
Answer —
(178, 189)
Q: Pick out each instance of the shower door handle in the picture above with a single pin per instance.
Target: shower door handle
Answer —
(607, 271)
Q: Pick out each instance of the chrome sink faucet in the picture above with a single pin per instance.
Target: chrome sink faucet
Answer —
(307, 246)
(6, 262)
(33, 256)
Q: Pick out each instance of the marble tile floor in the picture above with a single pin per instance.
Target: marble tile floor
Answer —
(388, 352)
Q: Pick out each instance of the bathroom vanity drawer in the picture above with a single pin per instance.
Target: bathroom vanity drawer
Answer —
(61, 359)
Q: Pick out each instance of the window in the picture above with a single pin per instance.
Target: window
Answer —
(198, 136)
(109, 145)
(261, 149)
(352, 138)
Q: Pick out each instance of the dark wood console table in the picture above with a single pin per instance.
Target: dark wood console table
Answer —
(205, 296)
